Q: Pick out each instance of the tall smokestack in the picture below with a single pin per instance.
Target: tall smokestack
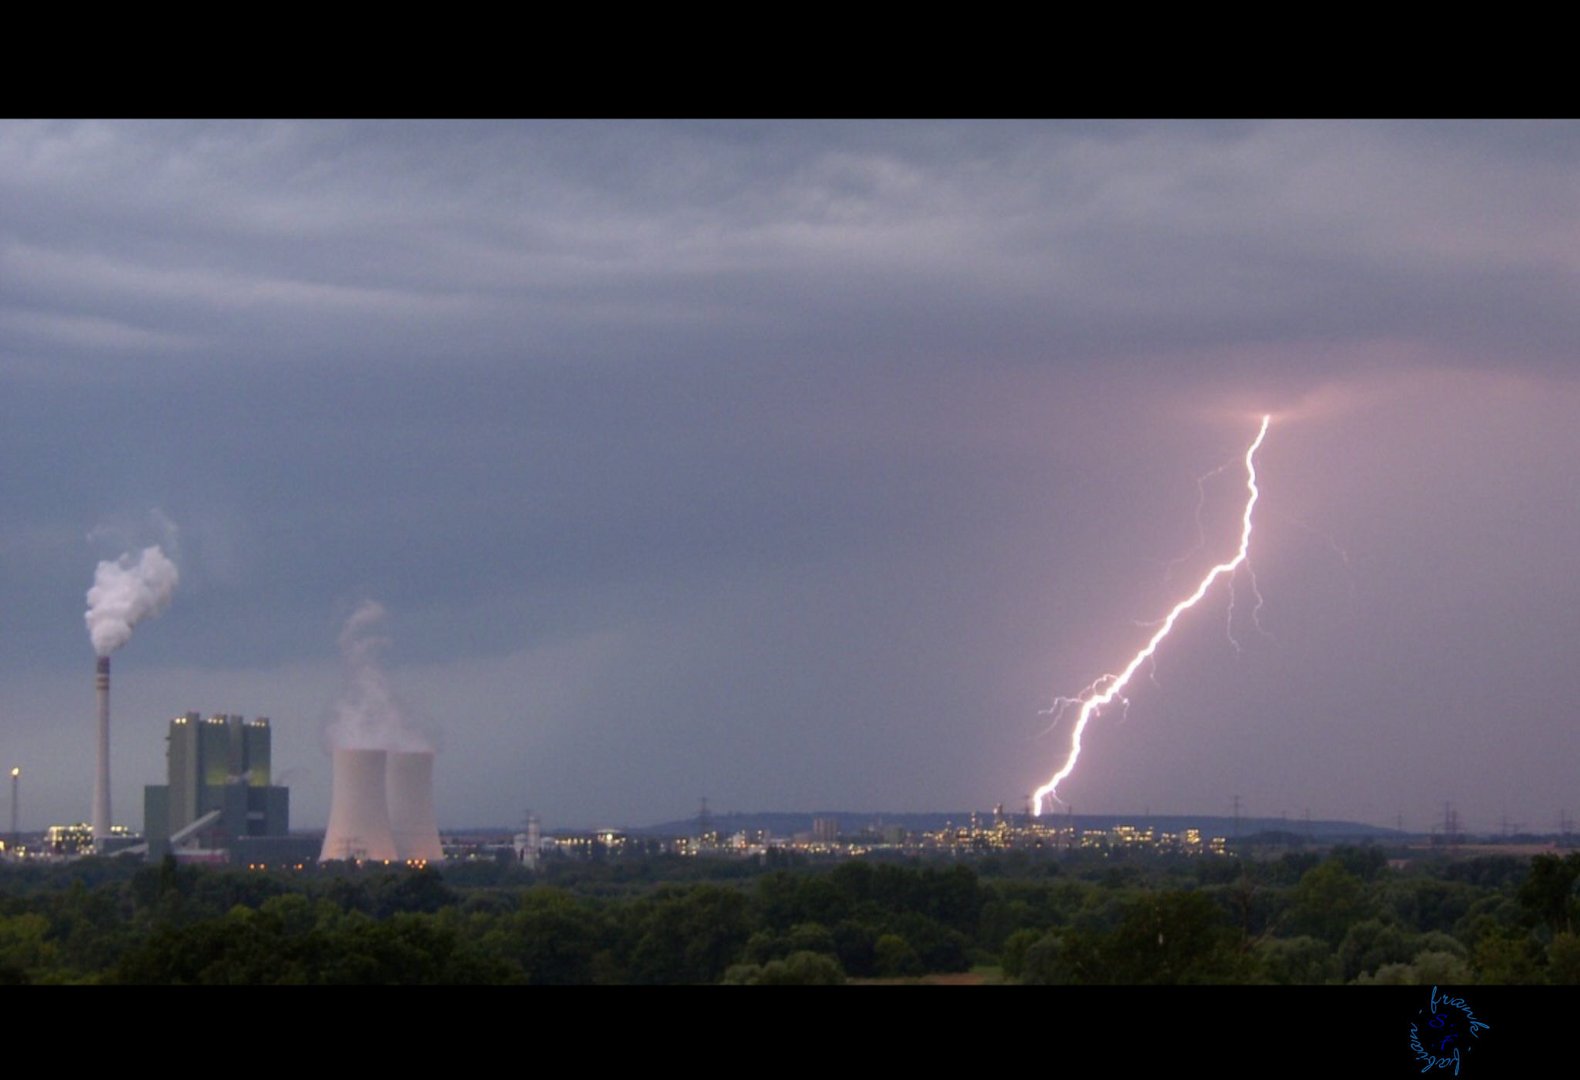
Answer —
(101, 788)
(125, 592)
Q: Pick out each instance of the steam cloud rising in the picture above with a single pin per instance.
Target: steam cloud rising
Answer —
(124, 593)
(368, 717)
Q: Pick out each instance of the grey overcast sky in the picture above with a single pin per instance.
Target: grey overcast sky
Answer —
(801, 465)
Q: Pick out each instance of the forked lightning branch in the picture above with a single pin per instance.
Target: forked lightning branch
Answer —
(1107, 688)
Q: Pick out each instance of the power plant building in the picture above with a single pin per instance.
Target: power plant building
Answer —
(218, 796)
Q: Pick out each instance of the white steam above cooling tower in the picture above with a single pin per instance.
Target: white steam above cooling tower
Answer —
(410, 790)
(382, 806)
(359, 817)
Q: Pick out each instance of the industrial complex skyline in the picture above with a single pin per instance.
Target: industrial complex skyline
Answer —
(799, 465)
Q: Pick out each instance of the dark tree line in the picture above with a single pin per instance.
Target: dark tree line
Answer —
(1342, 917)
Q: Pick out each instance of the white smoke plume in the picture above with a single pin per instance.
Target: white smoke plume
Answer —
(125, 592)
(368, 716)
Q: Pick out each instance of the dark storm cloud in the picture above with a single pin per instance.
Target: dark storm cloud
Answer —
(800, 464)
(537, 243)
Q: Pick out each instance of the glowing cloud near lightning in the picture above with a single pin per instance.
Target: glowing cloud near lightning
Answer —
(1109, 687)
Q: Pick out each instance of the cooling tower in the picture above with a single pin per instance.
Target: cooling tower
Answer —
(359, 819)
(410, 788)
(101, 787)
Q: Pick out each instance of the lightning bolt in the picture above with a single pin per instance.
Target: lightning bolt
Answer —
(1106, 688)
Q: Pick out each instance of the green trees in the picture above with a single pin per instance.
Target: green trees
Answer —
(1563, 959)
(1012, 959)
(1326, 903)
(1046, 963)
(1163, 937)
(765, 946)
(798, 969)
(1428, 903)
(1431, 967)
(924, 918)
(553, 939)
(1550, 894)
(1369, 944)
(689, 936)
(25, 954)
(1504, 956)
(266, 947)
(1304, 961)
(1345, 918)
(894, 957)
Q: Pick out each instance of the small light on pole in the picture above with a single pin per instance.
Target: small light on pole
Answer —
(16, 780)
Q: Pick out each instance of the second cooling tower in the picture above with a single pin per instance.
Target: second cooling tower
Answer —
(410, 788)
(359, 817)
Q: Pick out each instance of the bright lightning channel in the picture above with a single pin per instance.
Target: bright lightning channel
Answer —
(1108, 687)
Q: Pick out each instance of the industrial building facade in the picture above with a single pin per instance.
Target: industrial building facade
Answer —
(218, 796)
